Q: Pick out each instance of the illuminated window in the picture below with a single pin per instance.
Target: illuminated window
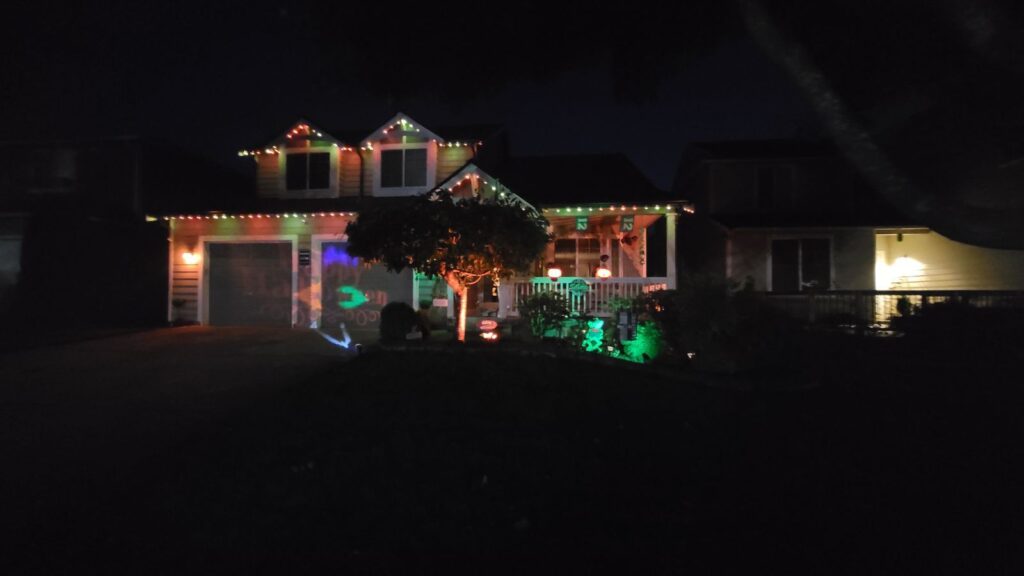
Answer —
(308, 170)
(404, 168)
(801, 264)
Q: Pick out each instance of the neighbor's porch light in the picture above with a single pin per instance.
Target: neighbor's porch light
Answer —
(190, 258)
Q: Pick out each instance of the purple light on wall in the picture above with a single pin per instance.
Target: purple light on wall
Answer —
(335, 254)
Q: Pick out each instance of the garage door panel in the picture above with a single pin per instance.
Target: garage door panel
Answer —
(354, 293)
(250, 283)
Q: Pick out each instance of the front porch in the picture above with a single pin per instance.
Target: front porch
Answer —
(604, 253)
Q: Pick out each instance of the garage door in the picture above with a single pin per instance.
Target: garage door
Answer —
(354, 293)
(250, 283)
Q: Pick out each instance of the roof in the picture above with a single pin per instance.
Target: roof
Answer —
(878, 216)
(577, 179)
(763, 149)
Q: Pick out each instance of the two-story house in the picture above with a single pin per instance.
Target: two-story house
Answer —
(792, 217)
(280, 258)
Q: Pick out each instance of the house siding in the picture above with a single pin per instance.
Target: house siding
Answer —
(349, 165)
(268, 175)
(450, 160)
(944, 264)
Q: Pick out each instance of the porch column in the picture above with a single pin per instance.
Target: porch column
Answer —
(506, 297)
(670, 249)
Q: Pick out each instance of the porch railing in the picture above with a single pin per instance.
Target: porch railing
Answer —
(587, 295)
(879, 307)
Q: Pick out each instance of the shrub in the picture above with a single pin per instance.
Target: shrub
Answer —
(545, 312)
(723, 328)
(396, 320)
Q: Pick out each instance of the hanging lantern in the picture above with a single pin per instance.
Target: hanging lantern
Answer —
(554, 272)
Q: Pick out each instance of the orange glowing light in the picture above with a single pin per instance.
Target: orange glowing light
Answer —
(603, 273)
(554, 273)
(489, 336)
(190, 258)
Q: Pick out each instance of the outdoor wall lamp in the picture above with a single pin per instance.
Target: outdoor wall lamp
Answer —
(554, 272)
(190, 258)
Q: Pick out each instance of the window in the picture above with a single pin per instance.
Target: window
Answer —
(308, 171)
(802, 264)
(405, 168)
(577, 256)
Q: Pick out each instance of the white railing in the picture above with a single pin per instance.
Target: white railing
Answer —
(587, 295)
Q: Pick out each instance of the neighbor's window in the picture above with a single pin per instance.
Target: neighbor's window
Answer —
(308, 170)
(801, 264)
(403, 168)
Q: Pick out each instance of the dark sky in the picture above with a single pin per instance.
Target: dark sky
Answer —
(220, 78)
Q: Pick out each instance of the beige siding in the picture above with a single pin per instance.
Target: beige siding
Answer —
(348, 173)
(930, 261)
(367, 156)
(185, 279)
(268, 175)
(449, 160)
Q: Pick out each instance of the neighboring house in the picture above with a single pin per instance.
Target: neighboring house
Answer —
(280, 257)
(791, 217)
(71, 212)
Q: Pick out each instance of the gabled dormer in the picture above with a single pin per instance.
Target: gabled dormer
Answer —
(303, 162)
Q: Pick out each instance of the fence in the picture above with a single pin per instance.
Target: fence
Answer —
(588, 295)
(874, 307)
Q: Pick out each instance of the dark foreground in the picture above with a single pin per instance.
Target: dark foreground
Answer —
(898, 461)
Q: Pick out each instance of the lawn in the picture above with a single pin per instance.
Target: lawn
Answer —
(514, 464)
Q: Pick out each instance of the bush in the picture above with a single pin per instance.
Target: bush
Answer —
(959, 326)
(720, 327)
(396, 320)
(545, 312)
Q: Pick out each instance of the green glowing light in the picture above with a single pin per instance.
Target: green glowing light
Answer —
(594, 340)
(356, 298)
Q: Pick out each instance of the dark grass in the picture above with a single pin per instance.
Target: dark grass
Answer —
(897, 461)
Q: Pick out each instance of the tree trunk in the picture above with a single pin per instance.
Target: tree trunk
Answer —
(463, 308)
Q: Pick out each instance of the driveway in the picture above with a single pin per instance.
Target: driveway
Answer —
(82, 423)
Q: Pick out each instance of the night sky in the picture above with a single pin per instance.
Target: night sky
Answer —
(218, 79)
(926, 99)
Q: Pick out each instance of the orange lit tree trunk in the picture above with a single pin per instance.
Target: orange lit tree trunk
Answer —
(456, 281)
(463, 308)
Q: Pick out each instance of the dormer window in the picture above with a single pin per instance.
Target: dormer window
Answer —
(403, 168)
(308, 170)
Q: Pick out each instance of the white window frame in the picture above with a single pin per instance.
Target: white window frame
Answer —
(332, 179)
(800, 258)
(431, 149)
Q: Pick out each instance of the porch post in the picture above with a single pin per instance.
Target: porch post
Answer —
(506, 297)
(670, 249)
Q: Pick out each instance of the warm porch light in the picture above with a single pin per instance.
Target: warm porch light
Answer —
(190, 258)
(602, 271)
(554, 272)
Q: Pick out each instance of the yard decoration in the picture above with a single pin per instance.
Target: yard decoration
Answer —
(462, 241)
